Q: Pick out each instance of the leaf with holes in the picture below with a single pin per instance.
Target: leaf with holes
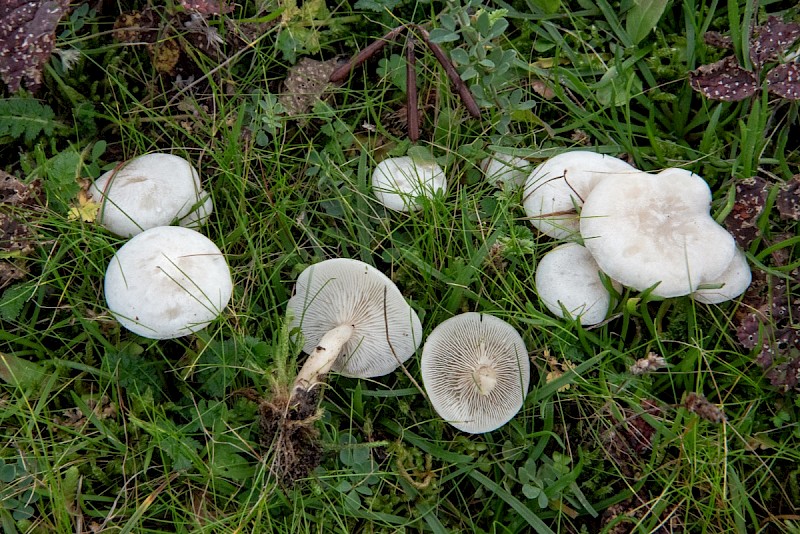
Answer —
(724, 80)
(771, 40)
(751, 197)
(784, 80)
(788, 200)
(27, 37)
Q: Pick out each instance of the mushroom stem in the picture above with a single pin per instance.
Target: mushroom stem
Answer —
(485, 378)
(321, 359)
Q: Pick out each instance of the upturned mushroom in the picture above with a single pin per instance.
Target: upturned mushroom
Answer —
(354, 321)
(556, 189)
(148, 191)
(568, 278)
(476, 371)
(649, 230)
(399, 182)
(167, 282)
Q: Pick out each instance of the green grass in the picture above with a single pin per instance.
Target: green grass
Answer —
(125, 434)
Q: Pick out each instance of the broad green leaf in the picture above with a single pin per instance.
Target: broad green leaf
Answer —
(643, 17)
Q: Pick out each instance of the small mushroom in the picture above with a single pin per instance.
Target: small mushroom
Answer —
(148, 191)
(727, 286)
(344, 307)
(568, 278)
(505, 170)
(167, 282)
(476, 371)
(558, 187)
(398, 182)
(646, 229)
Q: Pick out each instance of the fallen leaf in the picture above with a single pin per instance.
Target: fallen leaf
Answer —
(85, 210)
(784, 81)
(207, 7)
(305, 83)
(788, 200)
(27, 38)
(751, 197)
(724, 80)
(772, 39)
(16, 236)
(717, 40)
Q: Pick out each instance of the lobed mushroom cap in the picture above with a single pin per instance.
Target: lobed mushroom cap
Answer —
(340, 292)
(647, 229)
(148, 191)
(167, 282)
(459, 348)
(730, 284)
(568, 276)
(556, 187)
(398, 182)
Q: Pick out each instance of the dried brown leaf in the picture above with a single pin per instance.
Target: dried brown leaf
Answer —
(717, 40)
(751, 197)
(305, 83)
(207, 7)
(784, 81)
(788, 200)
(772, 39)
(27, 37)
(724, 80)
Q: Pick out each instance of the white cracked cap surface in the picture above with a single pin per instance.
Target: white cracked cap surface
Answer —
(645, 229)
(568, 276)
(555, 188)
(167, 282)
(459, 355)
(342, 291)
(151, 190)
(398, 182)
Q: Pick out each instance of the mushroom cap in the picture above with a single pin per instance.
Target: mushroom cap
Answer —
(645, 229)
(568, 276)
(556, 187)
(148, 191)
(730, 284)
(456, 358)
(398, 182)
(506, 170)
(167, 282)
(340, 292)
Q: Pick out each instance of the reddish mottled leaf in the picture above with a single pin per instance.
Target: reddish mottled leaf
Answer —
(16, 236)
(748, 331)
(305, 84)
(751, 196)
(27, 37)
(207, 7)
(784, 80)
(788, 200)
(724, 80)
(770, 40)
(717, 40)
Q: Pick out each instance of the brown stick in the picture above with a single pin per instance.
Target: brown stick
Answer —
(452, 73)
(344, 71)
(411, 89)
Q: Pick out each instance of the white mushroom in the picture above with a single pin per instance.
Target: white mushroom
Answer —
(558, 187)
(568, 278)
(727, 286)
(167, 282)
(476, 371)
(343, 307)
(398, 183)
(506, 170)
(148, 191)
(646, 229)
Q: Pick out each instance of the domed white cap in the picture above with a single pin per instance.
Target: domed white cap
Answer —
(558, 186)
(730, 284)
(476, 371)
(398, 182)
(568, 276)
(167, 282)
(343, 292)
(148, 191)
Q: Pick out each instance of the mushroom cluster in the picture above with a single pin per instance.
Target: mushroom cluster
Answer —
(641, 230)
(166, 281)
